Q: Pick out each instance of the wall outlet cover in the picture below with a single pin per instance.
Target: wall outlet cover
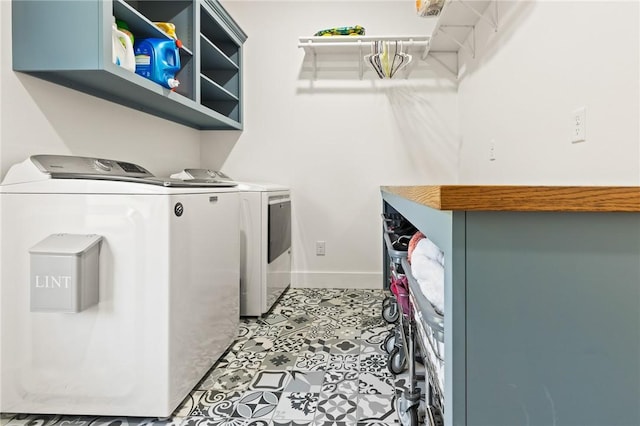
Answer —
(579, 125)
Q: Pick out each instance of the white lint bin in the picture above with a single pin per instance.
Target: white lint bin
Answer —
(64, 273)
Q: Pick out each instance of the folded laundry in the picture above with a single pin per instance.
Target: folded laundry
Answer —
(424, 247)
(429, 274)
(413, 243)
(427, 266)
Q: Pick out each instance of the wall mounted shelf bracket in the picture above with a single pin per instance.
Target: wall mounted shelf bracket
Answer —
(493, 23)
(436, 57)
(471, 49)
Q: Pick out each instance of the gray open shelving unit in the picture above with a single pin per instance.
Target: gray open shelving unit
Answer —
(210, 93)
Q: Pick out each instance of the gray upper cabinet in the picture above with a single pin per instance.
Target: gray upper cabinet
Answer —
(210, 93)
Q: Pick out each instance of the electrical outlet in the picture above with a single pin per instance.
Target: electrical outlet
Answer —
(320, 248)
(579, 125)
(492, 150)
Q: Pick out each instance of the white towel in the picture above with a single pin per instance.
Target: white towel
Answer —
(426, 247)
(429, 273)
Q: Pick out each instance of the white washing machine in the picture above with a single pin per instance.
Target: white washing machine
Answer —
(168, 304)
(265, 245)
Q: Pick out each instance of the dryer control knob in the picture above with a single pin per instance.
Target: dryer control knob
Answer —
(103, 165)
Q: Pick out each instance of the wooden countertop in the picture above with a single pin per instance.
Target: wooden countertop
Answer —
(523, 198)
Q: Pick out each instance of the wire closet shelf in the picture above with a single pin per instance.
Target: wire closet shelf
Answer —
(454, 30)
(378, 52)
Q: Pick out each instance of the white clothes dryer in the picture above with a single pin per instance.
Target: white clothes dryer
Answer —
(168, 303)
(265, 243)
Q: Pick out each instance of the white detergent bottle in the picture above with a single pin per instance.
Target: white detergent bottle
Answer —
(122, 49)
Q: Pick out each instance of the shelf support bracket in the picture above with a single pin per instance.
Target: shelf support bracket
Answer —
(314, 59)
(472, 49)
(494, 24)
(425, 52)
(445, 65)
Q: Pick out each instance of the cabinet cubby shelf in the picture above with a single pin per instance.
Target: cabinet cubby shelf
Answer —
(212, 91)
(214, 57)
(138, 24)
(211, 102)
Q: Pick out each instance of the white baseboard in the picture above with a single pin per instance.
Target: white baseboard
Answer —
(307, 279)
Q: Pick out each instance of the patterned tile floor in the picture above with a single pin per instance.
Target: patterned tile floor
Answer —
(316, 359)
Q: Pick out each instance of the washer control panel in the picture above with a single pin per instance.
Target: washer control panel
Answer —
(67, 165)
(201, 174)
(71, 167)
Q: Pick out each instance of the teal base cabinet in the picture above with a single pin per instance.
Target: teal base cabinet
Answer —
(542, 314)
(209, 96)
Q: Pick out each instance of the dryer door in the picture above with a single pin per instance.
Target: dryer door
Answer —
(279, 228)
(278, 247)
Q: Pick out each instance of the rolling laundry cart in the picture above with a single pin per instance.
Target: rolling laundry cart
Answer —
(395, 342)
(424, 331)
(397, 232)
(418, 334)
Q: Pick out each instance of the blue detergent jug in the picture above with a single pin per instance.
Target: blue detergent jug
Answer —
(158, 60)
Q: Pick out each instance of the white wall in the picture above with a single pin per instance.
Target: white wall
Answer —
(37, 117)
(337, 139)
(547, 59)
(334, 141)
